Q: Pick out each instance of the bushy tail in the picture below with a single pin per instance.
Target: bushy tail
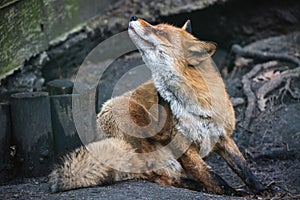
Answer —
(83, 167)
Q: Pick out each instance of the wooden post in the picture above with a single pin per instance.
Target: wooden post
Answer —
(84, 112)
(32, 132)
(65, 135)
(4, 139)
(58, 86)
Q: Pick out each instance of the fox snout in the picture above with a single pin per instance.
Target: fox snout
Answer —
(133, 18)
(137, 23)
(137, 30)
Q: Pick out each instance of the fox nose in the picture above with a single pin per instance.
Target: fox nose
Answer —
(134, 18)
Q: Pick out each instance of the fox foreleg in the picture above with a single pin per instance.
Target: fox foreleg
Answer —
(227, 149)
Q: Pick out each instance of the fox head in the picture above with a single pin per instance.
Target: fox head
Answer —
(164, 44)
(181, 68)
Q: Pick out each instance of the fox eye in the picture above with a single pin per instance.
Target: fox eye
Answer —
(161, 53)
(160, 32)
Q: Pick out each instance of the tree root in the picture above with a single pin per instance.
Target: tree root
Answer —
(287, 88)
(251, 98)
(274, 83)
(237, 49)
(236, 101)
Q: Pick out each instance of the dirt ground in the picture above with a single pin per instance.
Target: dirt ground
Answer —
(132, 189)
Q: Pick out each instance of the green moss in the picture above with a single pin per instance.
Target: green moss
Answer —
(29, 27)
(21, 34)
(61, 16)
(5, 70)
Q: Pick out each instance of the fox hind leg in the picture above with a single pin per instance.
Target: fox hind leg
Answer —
(197, 168)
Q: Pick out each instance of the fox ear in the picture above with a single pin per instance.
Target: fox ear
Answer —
(197, 51)
(187, 26)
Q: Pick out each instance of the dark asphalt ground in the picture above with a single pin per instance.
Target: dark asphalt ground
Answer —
(132, 189)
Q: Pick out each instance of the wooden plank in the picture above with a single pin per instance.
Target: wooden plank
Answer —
(29, 27)
(6, 3)
(21, 34)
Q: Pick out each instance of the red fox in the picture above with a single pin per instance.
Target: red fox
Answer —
(163, 130)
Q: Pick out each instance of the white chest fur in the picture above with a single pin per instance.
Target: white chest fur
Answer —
(194, 122)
